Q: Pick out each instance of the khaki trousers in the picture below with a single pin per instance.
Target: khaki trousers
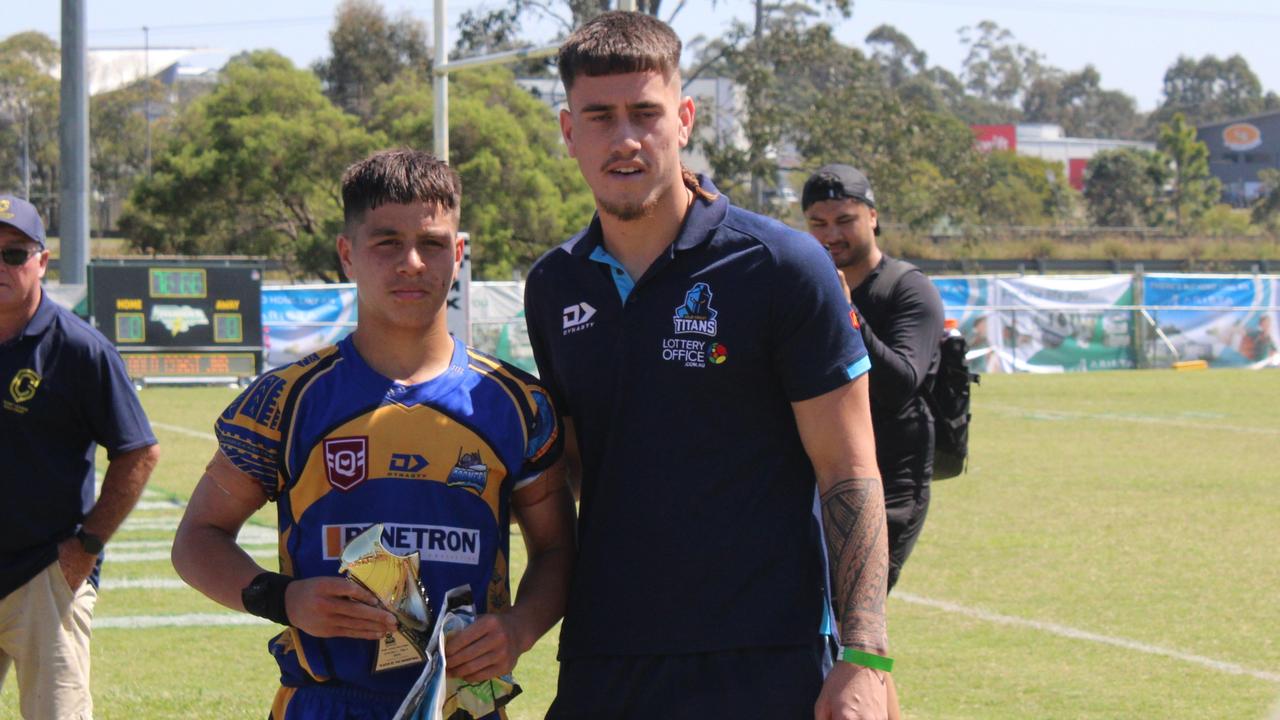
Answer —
(44, 633)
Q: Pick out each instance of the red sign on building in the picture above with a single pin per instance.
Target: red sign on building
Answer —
(995, 137)
(1075, 172)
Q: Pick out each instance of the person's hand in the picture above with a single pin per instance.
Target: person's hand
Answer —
(336, 607)
(844, 282)
(75, 563)
(852, 692)
(485, 649)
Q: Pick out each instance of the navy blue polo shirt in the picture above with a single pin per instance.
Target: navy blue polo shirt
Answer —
(696, 530)
(63, 389)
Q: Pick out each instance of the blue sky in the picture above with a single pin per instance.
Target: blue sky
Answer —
(1131, 42)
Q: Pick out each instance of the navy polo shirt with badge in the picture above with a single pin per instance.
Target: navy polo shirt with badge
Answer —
(696, 527)
(64, 390)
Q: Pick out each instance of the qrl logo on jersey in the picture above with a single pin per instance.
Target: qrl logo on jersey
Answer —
(346, 461)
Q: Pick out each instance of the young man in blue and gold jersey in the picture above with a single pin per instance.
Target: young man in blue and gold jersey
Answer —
(399, 424)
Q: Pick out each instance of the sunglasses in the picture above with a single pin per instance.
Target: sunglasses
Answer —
(17, 256)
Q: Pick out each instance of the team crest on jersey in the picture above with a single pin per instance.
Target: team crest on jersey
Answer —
(469, 472)
(346, 461)
(696, 316)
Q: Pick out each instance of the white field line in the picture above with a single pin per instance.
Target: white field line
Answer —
(1041, 414)
(1075, 634)
(152, 556)
(150, 583)
(185, 431)
(151, 523)
(159, 505)
(134, 622)
(118, 545)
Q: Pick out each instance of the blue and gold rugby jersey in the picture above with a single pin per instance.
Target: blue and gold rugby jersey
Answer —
(340, 447)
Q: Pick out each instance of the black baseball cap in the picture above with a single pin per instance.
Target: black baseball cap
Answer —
(20, 214)
(835, 182)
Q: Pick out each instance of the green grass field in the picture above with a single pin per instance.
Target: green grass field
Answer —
(1114, 552)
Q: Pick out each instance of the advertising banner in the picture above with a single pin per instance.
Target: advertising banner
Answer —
(1225, 320)
(1062, 323)
(297, 320)
(967, 300)
(497, 322)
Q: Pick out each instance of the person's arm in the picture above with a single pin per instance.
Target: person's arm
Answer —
(835, 428)
(491, 645)
(122, 485)
(572, 459)
(902, 352)
(206, 556)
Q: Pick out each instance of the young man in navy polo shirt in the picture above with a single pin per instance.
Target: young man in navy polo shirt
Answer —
(64, 391)
(709, 370)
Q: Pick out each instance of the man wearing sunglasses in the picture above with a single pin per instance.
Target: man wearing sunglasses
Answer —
(63, 391)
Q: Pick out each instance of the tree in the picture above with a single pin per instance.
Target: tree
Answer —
(522, 194)
(252, 168)
(118, 139)
(370, 49)
(1266, 209)
(899, 59)
(29, 103)
(783, 72)
(1078, 103)
(1123, 187)
(996, 67)
(1021, 190)
(1194, 190)
(1211, 89)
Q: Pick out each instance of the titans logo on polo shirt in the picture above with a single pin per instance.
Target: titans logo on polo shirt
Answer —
(340, 448)
(696, 314)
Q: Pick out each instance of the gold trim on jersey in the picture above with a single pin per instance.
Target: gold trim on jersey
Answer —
(398, 430)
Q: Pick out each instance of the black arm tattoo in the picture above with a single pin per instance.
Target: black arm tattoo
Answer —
(858, 551)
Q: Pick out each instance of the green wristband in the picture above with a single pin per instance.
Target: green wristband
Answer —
(877, 662)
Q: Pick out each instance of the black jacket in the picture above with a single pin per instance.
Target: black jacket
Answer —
(903, 337)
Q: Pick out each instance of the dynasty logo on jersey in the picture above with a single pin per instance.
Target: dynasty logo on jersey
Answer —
(433, 543)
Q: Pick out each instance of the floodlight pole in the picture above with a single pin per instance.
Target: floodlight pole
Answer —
(73, 142)
(440, 82)
(146, 62)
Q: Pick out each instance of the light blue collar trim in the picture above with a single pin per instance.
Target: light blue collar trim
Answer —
(621, 279)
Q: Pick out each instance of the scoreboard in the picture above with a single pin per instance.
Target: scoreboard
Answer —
(178, 322)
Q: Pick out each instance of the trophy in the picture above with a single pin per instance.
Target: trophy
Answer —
(394, 580)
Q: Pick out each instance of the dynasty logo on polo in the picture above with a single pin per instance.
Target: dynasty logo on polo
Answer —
(578, 317)
(696, 316)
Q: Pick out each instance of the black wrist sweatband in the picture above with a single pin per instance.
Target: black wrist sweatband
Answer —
(264, 597)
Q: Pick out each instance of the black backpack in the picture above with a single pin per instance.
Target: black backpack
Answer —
(948, 394)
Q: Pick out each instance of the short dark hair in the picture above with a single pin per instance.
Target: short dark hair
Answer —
(400, 176)
(619, 42)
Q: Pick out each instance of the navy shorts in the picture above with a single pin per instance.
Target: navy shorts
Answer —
(336, 702)
(764, 683)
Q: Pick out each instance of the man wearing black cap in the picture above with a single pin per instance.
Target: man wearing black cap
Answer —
(64, 390)
(902, 325)
(901, 317)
